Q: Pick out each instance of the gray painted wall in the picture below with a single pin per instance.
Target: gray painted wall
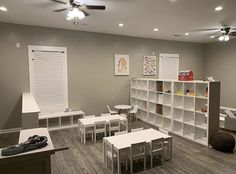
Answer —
(92, 84)
(221, 64)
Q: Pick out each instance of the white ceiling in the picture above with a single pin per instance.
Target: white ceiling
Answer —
(172, 17)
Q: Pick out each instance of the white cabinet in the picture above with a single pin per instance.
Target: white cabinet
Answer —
(186, 108)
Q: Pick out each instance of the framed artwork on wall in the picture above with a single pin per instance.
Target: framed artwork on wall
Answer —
(121, 64)
(149, 65)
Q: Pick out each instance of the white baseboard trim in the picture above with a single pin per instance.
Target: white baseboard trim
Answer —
(4, 131)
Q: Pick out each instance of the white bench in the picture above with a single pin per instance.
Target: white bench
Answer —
(60, 120)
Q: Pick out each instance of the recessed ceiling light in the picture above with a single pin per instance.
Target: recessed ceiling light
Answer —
(3, 8)
(121, 25)
(155, 29)
(219, 8)
(186, 34)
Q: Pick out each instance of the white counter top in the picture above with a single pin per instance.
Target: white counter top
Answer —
(25, 134)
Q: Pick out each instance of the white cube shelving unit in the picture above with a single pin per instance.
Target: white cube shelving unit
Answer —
(61, 120)
(178, 106)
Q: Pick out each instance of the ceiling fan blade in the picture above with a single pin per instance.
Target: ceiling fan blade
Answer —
(96, 7)
(232, 34)
(207, 29)
(59, 10)
(85, 13)
(58, 1)
(218, 36)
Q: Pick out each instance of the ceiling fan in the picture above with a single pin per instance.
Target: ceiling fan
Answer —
(77, 9)
(223, 33)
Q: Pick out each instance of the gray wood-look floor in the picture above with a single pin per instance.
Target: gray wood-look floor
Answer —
(188, 157)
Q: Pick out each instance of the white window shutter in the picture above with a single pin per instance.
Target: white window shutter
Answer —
(48, 77)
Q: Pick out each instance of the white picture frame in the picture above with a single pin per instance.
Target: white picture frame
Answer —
(121, 64)
(169, 66)
(149, 65)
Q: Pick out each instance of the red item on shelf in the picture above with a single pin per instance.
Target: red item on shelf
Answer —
(186, 75)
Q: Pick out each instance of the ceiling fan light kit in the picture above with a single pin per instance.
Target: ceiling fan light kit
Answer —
(224, 38)
(75, 13)
(225, 33)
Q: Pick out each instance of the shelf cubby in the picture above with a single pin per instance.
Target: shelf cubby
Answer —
(152, 107)
(160, 98)
(200, 104)
(144, 85)
(159, 86)
(178, 88)
(189, 117)
(202, 90)
(159, 121)
(132, 93)
(189, 89)
(167, 99)
(139, 102)
(189, 103)
(153, 97)
(75, 119)
(66, 121)
(201, 121)
(143, 105)
(167, 111)
(53, 122)
(159, 109)
(166, 123)
(178, 101)
(138, 84)
(143, 95)
(43, 123)
(133, 101)
(188, 131)
(151, 118)
(178, 114)
(139, 94)
(133, 84)
(152, 85)
(167, 87)
(136, 93)
(142, 115)
(178, 127)
(201, 135)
